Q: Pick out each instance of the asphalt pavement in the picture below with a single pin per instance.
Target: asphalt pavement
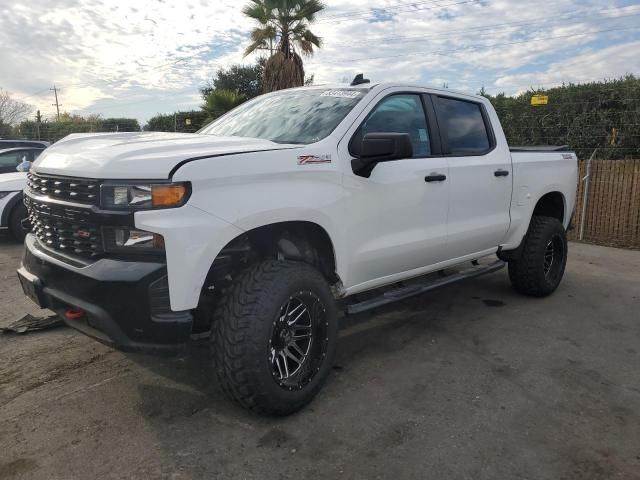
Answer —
(472, 381)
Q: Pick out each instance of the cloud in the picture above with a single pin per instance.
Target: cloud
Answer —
(151, 56)
(611, 62)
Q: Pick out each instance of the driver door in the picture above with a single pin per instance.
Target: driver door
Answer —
(396, 218)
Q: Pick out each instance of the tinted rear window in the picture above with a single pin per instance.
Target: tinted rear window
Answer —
(466, 130)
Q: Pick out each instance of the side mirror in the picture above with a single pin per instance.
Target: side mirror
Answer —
(381, 147)
(24, 166)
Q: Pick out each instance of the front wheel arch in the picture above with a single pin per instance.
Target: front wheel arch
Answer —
(299, 241)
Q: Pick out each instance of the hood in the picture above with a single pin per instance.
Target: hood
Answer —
(143, 155)
(12, 182)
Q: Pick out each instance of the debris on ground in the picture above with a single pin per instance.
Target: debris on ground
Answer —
(30, 323)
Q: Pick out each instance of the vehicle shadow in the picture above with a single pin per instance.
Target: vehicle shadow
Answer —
(194, 386)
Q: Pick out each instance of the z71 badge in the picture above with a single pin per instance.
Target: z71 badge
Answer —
(313, 159)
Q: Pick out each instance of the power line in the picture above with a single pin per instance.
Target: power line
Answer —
(39, 92)
(492, 28)
(557, 84)
(152, 99)
(369, 10)
(341, 18)
(472, 47)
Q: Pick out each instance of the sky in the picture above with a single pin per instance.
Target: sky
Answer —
(143, 57)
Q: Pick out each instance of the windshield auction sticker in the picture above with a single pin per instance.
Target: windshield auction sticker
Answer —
(341, 93)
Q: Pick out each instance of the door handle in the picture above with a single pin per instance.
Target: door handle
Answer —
(435, 177)
(501, 173)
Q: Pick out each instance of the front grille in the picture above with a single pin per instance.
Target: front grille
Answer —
(65, 229)
(77, 190)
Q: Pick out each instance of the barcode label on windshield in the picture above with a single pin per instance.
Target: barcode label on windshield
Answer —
(341, 93)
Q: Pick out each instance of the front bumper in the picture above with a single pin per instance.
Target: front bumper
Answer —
(126, 303)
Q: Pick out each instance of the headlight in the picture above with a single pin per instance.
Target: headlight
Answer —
(123, 239)
(144, 196)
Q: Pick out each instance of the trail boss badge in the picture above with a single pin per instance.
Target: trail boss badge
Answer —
(312, 159)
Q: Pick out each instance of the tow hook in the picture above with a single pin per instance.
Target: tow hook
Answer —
(74, 313)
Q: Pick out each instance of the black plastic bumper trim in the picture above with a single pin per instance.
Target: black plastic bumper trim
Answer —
(115, 296)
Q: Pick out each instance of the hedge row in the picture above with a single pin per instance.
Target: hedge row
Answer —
(600, 115)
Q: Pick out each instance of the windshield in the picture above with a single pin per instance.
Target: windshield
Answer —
(299, 116)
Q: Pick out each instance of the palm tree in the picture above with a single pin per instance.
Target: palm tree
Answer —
(285, 22)
(219, 102)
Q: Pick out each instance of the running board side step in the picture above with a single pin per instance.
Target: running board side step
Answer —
(417, 289)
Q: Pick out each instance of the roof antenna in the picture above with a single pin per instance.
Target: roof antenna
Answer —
(359, 80)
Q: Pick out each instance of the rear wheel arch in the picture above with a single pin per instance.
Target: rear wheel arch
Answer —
(551, 204)
(16, 214)
(9, 207)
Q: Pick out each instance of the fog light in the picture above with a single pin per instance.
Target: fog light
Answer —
(132, 240)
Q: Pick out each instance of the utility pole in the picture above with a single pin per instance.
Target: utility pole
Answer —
(57, 105)
(38, 121)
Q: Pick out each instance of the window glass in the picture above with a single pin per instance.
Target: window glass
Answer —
(10, 159)
(397, 114)
(297, 116)
(465, 126)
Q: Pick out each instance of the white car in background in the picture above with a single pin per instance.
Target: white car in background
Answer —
(14, 163)
(11, 158)
(12, 209)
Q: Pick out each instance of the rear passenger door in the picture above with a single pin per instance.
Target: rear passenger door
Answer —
(479, 177)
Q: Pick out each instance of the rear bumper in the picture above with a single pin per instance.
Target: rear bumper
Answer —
(126, 303)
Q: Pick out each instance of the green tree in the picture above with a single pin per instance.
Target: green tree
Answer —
(186, 121)
(283, 24)
(219, 102)
(72, 123)
(162, 122)
(118, 125)
(245, 79)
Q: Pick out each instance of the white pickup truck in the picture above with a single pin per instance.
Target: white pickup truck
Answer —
(253, 227)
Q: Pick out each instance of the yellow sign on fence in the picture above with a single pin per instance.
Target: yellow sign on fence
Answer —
(539, 100)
